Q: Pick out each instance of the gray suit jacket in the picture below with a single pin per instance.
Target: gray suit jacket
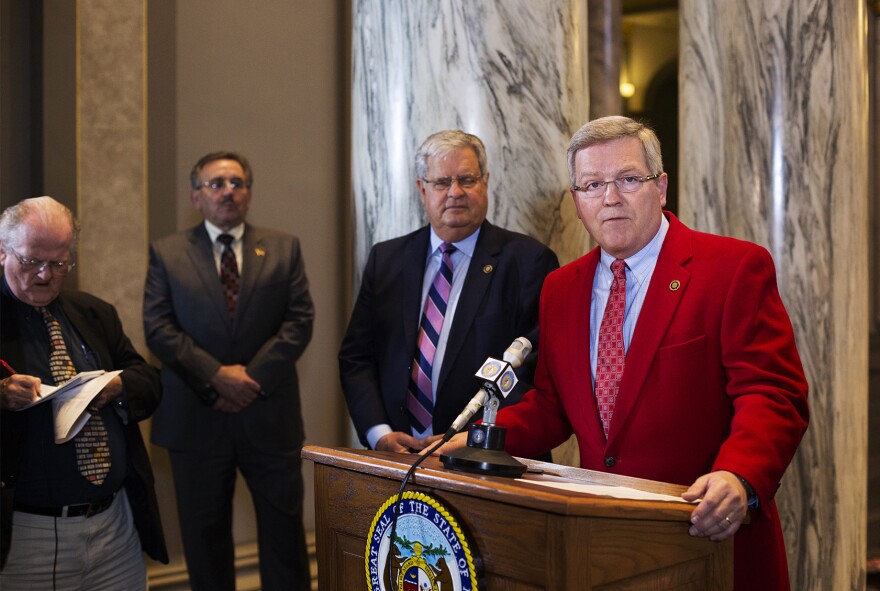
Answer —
(188, 328)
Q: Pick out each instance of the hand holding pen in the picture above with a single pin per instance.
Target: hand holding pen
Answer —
(18, 390)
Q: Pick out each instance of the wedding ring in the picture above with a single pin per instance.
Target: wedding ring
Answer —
(729, 523)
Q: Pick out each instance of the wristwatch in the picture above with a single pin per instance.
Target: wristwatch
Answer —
(751, 496)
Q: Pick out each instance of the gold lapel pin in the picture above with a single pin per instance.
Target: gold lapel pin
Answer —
(260, 251)
(488, 269)
(674, 285)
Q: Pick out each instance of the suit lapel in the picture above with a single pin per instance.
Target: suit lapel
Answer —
(661, 302)
(201, 254)
(414, 256)
(483, 266)
(577, 310)
(254, 253)
(84, 327)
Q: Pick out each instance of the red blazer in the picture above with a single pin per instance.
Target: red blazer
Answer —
(713, 381)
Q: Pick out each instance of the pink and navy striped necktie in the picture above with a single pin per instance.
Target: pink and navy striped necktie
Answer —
(611, 356)
(420, 399)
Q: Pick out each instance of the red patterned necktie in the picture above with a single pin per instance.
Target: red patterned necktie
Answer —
(420, 399)
(611, 356)
(228, 272)
(92, 443)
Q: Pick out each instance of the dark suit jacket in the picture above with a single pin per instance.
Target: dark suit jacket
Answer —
(98, 324)
(712, 381)
(188, 328)
(498, 303)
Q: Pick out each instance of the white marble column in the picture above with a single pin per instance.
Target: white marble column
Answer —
(512, 72)
(774, 141)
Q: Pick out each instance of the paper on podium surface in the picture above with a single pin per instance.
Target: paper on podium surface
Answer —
(605, 490)
(49, 392)
(601, 483)
(69, 407)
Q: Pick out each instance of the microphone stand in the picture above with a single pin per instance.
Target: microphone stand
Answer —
(485, 453)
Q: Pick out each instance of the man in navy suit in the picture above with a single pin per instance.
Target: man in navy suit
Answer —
(493, 289)
(228, 312)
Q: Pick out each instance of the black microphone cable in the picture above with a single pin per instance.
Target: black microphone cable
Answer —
(395, 506)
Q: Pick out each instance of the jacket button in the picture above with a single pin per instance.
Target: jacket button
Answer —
(610, 461)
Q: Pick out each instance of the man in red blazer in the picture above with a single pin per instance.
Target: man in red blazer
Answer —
(712, 393)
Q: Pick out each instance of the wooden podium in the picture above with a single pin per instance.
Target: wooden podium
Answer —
(527, 536)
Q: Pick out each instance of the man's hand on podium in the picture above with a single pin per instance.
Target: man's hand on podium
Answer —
(400, 442)
(458, 441)
(722, 507)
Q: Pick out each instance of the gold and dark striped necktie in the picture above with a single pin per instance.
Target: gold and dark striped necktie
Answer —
(92, 442)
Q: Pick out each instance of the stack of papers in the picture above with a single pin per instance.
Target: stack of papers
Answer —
(71, 400)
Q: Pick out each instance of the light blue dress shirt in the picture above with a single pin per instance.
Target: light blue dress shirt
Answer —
(639, 270)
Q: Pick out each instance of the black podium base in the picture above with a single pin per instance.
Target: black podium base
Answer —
(484, 454)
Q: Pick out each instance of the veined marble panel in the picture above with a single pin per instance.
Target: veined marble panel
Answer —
(774, 134)
(512, 72)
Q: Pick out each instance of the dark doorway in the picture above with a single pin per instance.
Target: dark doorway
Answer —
(661, 112)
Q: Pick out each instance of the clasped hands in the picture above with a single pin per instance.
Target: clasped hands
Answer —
(236, 390)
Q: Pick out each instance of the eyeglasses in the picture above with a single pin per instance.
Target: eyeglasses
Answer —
(625, 184)
(35, 267)
(443, 183)
(219, 183)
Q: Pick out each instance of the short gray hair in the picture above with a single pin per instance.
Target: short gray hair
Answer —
(615, 127)
(44, 208)
(445, 142)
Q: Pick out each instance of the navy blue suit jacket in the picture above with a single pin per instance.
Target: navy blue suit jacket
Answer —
(498, 303)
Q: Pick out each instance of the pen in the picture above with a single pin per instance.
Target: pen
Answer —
(12, 372)
(7, 367)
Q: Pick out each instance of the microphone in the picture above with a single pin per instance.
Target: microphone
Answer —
(470, 410)
(491, 459)
(496, 377)
(517, 352)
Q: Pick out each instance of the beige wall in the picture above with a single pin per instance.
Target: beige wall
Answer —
(263, 81)
(134, 91)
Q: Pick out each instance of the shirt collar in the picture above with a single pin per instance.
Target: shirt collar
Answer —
(643, 260)
(23, 306)
(466, 246)
(213, 231)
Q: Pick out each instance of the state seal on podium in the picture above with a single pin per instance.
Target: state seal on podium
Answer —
(429, 551)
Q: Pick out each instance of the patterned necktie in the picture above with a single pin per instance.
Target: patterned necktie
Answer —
(420, 401)
(611, 356)
(92, 443)
(228, 272)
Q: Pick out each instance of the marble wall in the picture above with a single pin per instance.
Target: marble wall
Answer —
(509, 71)
(774, 133)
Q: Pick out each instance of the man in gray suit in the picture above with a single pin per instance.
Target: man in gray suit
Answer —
(227, 311)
